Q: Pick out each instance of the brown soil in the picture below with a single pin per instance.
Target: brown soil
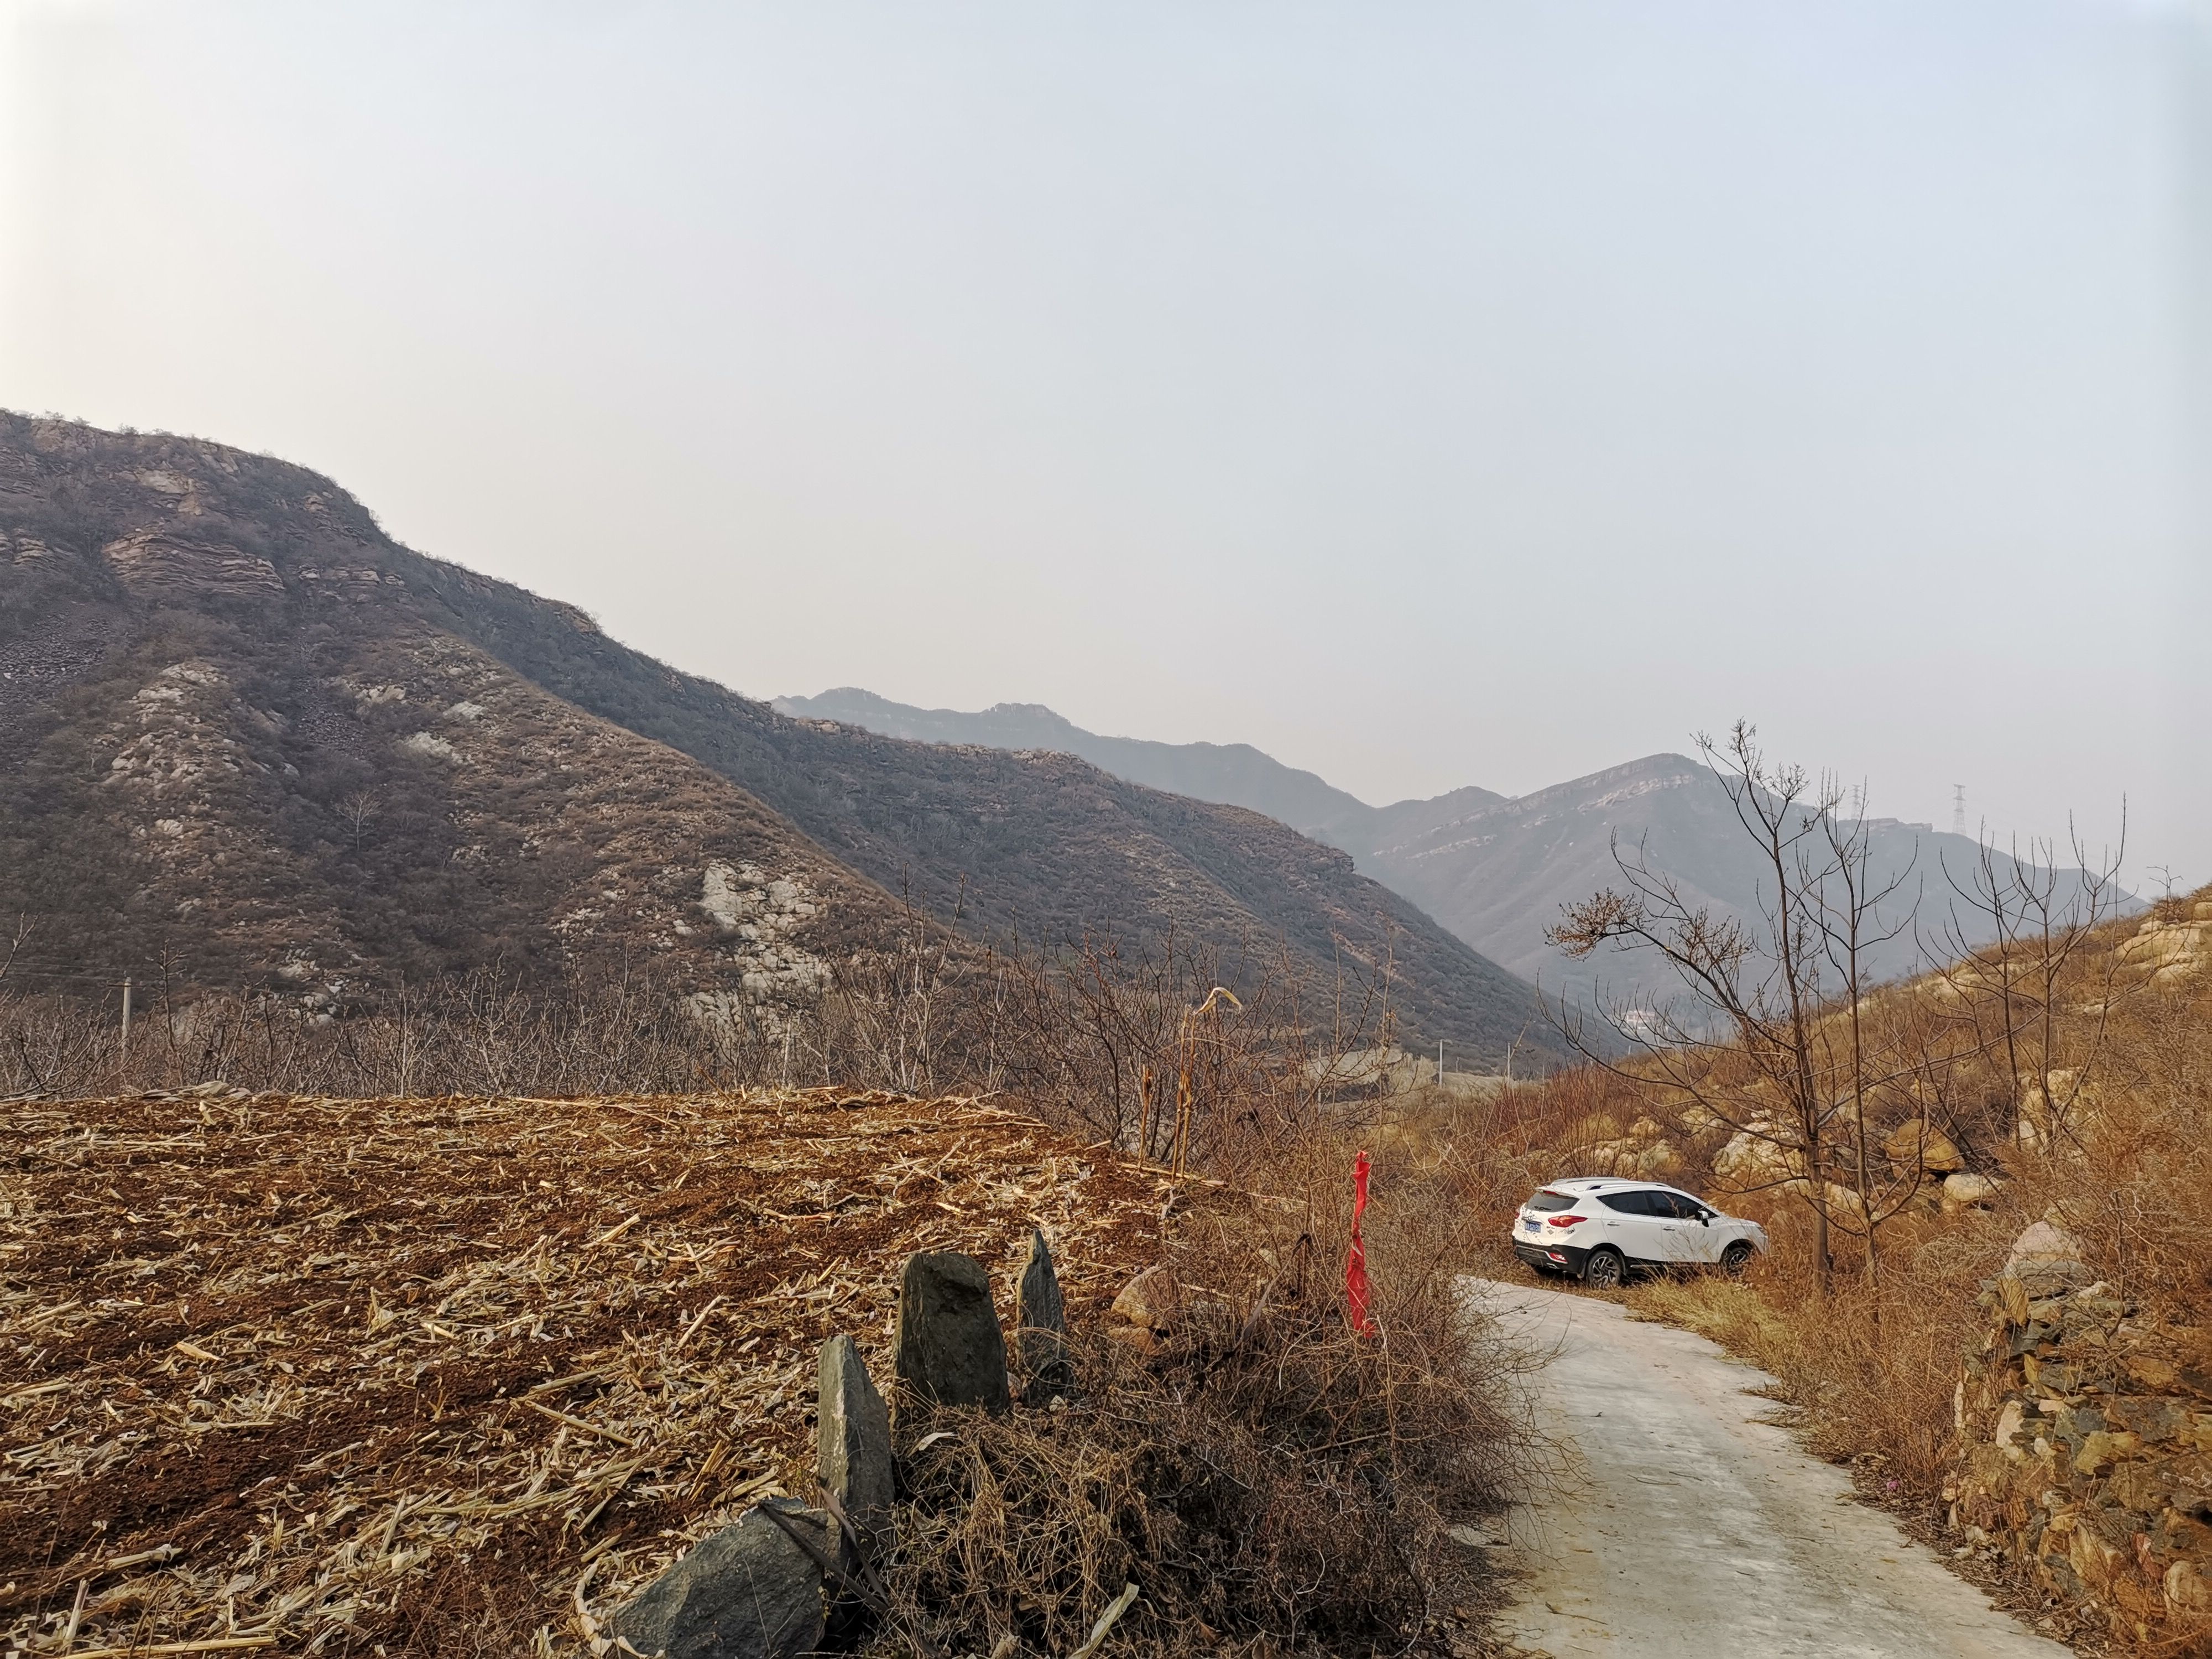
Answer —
(404, 1372)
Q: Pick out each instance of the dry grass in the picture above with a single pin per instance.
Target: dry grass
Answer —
(1269, 1479)
(422, 1376)
(1875, 1360)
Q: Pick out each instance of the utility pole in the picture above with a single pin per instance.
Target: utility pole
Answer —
(127, 1019)
(1440, 1062)
(1957, 809)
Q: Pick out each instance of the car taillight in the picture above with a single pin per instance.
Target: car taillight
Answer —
(1568, 1220)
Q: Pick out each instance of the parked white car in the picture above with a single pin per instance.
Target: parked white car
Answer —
(1597, 1230)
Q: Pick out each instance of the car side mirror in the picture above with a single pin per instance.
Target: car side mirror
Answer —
(1704, 1218)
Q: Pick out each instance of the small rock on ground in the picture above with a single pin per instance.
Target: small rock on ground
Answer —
(749, 1592)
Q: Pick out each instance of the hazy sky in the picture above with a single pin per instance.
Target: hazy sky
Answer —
(1430, 394)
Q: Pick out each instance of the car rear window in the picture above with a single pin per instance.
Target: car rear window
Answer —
(1543, 1203)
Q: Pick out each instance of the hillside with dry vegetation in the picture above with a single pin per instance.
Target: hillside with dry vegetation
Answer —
(1990, 1290)
(250, 743)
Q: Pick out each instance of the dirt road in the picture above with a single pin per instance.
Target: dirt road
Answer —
(1690, 1529)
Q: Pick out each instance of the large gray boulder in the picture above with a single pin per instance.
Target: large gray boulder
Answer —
(749, 1592)
(949, 1351)
(853, 1444)
(1041, 1327)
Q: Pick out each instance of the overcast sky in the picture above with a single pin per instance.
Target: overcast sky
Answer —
(1430, 394)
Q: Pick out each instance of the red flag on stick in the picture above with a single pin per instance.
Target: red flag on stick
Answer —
(1355, 1265)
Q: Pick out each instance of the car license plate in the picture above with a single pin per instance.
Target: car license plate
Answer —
(1528, 1226)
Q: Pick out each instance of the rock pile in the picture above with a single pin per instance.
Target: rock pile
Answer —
(2086, 1445)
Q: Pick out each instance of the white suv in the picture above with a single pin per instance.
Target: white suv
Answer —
(1597, 1230)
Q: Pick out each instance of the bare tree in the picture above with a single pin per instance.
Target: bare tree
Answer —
(1772, 1036)
(22, 936)
(1743, 1049)
(1856, 912)
(356, 812)
(2037, 917)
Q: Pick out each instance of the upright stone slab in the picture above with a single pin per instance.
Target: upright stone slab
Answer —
(853, 1444)
(1041, 1327)
(749, 1592)
(950, 1349)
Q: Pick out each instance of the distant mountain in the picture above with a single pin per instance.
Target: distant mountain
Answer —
(1230, 774)
(246, 738)
(1496, 872)
(1498, 875)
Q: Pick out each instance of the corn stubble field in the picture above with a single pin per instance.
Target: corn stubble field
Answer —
(437, 1376)
(458, 1376)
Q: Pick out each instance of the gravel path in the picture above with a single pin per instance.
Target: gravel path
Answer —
(1689, 1528)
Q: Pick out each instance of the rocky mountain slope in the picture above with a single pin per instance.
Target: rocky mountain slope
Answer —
(237, 750)
(246, 736)
(1495, 870)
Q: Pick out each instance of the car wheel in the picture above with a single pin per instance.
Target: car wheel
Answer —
(1605, 1269)
(1736, 1257)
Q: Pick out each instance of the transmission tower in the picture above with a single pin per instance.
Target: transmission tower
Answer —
(1957, 809)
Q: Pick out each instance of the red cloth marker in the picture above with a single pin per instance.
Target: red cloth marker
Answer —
(1355, 1265)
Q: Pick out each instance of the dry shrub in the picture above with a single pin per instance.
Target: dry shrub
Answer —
(1267, 1477)
(2136, 1184)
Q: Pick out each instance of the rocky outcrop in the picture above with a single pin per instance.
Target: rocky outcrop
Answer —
(1967, 1191)
(157, 566)
(2085, 1446)
(1143, 1315)
(1644, 1153)
(2173, 943)
(1756, 1156)
(1917, 1142)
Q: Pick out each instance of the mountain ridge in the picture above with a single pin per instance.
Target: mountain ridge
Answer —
(235, 711)
(1496, 870)
(1235, 774)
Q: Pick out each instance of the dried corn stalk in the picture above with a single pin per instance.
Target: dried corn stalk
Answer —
(321, 1375)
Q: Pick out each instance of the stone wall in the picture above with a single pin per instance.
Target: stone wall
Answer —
(2085, 1448)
